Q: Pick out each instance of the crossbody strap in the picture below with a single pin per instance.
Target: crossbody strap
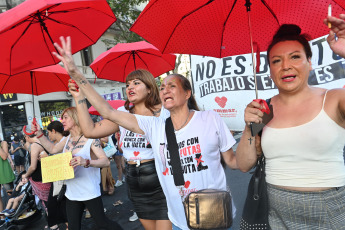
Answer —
(175, 160)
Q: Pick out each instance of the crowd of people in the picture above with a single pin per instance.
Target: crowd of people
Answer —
(303, 145)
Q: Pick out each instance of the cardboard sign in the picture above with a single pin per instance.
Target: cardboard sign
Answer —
(55, 168)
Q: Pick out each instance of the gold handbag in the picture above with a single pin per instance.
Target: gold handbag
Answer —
(208, 209)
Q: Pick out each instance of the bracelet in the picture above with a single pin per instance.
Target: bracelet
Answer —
(40, 135)
(87, 163)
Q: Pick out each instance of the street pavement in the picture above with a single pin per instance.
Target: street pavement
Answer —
(236, 180)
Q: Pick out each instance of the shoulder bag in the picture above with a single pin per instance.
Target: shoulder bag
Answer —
(204, 209)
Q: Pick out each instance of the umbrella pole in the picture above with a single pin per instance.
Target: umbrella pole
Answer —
(32, 93)
(248, 3)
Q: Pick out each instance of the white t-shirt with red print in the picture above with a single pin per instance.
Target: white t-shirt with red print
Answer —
(134, 145)
(200, 143)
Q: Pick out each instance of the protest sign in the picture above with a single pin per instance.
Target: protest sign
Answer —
(55, 168)
(227, 85)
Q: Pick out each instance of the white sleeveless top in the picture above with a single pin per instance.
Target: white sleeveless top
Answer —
(134, 145)
(85, 184)
(308, 155)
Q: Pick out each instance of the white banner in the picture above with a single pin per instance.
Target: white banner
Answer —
(227, 85)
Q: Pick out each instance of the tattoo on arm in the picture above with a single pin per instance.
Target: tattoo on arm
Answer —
(82, 101)
(250, 140)
(82, 82)
(97, 143)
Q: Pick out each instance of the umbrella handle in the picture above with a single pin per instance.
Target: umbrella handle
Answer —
(263, 103)
(33, 132)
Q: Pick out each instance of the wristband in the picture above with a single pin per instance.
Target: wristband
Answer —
(87, 164)
(40, 135)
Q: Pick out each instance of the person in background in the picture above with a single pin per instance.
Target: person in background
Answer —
(88, 157)
(119, 160)
(303, 143)
(34, 173)
(16, 149)
(56, 209)
(107, 179)
(6, 173)
(16, 197)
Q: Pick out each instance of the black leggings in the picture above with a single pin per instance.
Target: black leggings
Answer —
(56, 210)
(75, 211)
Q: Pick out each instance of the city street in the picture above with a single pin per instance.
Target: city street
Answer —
(237, 181)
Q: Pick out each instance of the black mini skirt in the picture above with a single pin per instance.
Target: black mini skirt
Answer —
(145, 191)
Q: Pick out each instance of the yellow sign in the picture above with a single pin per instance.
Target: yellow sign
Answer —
(55, 168)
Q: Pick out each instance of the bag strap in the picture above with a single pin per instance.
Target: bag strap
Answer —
(175, 160)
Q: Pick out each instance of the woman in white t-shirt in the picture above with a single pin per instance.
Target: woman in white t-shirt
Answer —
(88, 157)
(201, 136)
(144, 189)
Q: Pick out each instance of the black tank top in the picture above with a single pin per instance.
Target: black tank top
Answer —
(37, 174)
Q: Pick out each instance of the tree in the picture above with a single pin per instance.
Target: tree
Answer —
(126, 12)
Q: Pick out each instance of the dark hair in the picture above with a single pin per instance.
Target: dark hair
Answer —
(186, 86)
(56, 125)
(148, 79)
(290, 32)
(16, 138)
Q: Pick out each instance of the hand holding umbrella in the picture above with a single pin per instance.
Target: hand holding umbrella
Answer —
(336, 38)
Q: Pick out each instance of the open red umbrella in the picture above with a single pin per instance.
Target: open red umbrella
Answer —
(116, 63)
(28, 31)
(36, 82)
(221, 28)
(114, 103)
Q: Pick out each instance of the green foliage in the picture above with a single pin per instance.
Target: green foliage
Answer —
(126, 13)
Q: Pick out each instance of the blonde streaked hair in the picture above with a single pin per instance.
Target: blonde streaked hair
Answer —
(72, 112)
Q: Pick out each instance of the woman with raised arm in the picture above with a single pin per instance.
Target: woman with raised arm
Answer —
(202, 136)
(303, 143)
(88, 156)
(144, 189)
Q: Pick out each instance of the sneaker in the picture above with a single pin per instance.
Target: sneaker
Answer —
(134, 217)
(87, 214)
(118, 183)
(3, 212)
(10, 212)
(124, 179)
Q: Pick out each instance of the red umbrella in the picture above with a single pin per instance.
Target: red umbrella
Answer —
(36, 82)
(116, 63)
(220, 28)
(114, 103)
(28, 31)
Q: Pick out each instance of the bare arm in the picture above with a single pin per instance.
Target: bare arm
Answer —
(49, 146)
(88, 127)
(246, 152)
(230, 159)
(4, 150)
(123, 119)
(35, 151)
(98, 157)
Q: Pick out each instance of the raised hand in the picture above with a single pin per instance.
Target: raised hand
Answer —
(65, 55)
(336, 38)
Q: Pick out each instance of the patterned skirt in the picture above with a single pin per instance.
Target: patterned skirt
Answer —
(322, 210)
(40, 189)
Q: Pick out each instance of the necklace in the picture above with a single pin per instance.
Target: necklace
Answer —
(156, 112)
(74, 143)
(183, 123)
